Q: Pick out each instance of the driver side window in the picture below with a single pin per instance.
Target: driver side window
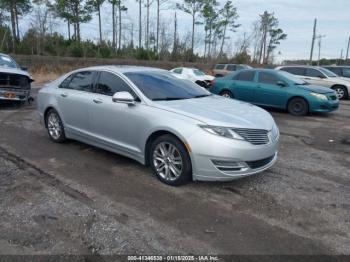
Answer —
(314, 73)
(108, 84)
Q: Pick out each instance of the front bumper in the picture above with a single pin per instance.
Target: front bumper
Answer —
(324, 106)
(14, 94)
(216, 158)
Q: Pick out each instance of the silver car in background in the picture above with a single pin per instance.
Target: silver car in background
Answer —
(177, 127)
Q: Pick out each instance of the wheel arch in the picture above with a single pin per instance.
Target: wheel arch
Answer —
(345, 87)
(154, 135)
(298, 96)
(45, 113)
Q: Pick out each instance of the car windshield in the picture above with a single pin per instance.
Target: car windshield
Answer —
(327, 72)
(164, 86)
(7, 61)
(293, 78)
(198, 72)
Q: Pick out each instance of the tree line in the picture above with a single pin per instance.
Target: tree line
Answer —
(212, 35)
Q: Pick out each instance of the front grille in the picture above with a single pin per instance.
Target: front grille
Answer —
(260, 163)
(253, 136)
(14, 81)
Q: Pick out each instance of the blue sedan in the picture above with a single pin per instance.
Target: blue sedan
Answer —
(278, 89)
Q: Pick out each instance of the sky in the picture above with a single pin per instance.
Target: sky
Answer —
(296, 18)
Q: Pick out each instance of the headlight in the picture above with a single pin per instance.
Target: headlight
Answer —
(319, 96)
(222, 131)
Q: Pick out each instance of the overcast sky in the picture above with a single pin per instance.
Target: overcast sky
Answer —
(295, 16)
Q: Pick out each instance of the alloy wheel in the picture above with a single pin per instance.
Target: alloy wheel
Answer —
(54, 126)
(167, 161)
(340, 92)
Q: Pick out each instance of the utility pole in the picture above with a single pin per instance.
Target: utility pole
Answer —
(341, 57)
(347, 52)
(319, 37)
(313, 41)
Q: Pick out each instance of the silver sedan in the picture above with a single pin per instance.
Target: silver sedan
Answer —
(177, 127)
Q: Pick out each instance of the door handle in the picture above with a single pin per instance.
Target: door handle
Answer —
(97, 100)
(64, 94)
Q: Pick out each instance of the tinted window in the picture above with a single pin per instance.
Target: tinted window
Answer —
(81, 81)
(108, 84)
(346, 72)
(245, 76)
(231, 68)
(313, 73)
(335, 70)
(219, 66)
(268, 78)
(66, 82)
(177, 70)
(165, 86)
(294, 70)
(327, 72)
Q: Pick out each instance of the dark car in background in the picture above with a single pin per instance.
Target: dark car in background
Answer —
(221, 70)
(343, 71)
(15, 82)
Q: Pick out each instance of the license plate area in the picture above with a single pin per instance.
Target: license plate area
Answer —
(10, 95)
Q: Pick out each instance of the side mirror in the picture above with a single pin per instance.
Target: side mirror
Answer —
(281, 83)
(123, 97)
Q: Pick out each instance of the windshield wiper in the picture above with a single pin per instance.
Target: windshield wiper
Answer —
(168, 98)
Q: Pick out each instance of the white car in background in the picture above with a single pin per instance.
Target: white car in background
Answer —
(322, 77)
(194, 75)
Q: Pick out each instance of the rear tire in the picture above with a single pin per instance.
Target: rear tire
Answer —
(298, 106)
(170, 161)
(227, 94)
(55, 127)
(341, 91)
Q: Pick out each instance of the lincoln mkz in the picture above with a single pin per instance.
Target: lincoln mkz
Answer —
(177, 127)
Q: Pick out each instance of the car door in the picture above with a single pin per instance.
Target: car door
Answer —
(116, 125)
(73, 99)
(270, 91)
(243, 85)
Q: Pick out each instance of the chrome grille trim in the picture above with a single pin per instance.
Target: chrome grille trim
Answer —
(253, 136)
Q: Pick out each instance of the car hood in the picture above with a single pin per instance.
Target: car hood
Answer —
(17, 71)
(219, 111)
(316, 89)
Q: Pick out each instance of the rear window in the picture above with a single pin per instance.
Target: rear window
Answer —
(219, 67)
(245, 76)
(81, 81)
(294, 70)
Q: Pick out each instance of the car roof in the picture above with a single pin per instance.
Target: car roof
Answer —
(122, 68)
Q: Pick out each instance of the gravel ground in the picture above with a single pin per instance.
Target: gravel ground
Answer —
(77, 199)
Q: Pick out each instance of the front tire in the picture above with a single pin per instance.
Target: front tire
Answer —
(170, 160)
(298, 107)
(341, 91)
(227, 94)
(55, 127)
